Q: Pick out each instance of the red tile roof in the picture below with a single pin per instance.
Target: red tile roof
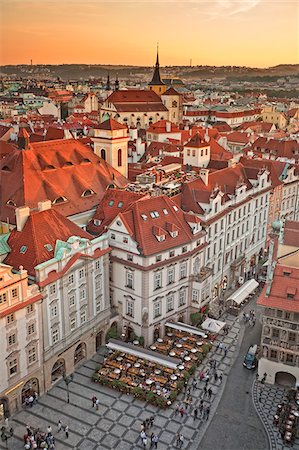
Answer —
(6, 148)
(171, 91)
(196, 142)
(291, 233)
(111, 124)
(113, 202)
(161, 127)
(4, 130)
(280, 288)
(238, 137)
(136, 101)
(54, 133)
(286, 148)
(140, 222)
(41, 228)
(53, 169)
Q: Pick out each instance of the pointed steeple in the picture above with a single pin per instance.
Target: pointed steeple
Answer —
(156, 80)
(108, 87)
(116, 86)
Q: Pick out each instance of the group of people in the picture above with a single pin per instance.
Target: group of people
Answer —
(31, 399)
(154, 438)
(249, 318)
(38, 439)
(221, 346)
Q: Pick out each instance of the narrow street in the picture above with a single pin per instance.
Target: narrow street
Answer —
(236, 425)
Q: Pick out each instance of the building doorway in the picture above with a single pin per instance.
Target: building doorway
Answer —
(99, 340)
(58, 370)
(4, 410)
(156, 333)
(30, 388)
(80, 353)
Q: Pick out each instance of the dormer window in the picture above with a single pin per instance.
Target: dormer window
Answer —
(111, 203)
(161, 237)
(97, 222)
(154, 214)
(87, 193)
(6, 169)
(11, 203)
(48, 247)
(120, 204)
(175, 208)
(49, 167)
(59, 200)
(23, 249)
(68, 163)
(144, 217)
(174, 233)
(165, 212)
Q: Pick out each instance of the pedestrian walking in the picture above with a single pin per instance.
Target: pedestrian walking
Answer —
(155, 440)
(195, 413)
(182, 411)
(215, 377)
(205, 390)
(210, 392)
(181, 441)
(177, 439)
(144, 442)
(66, 431)
(93, 399)
(194, 384)
(200, 408)
(152, 440)
(225, 351)
(177, 410)
(151, 421)
(59, 426)
(49, 429)
(207, 412)
(220, 378)
(97, 404)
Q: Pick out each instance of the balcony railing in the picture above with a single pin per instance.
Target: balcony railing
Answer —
(204, 273)
(238, 261)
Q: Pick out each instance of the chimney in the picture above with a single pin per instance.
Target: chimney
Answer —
(23, 139)
(44, 205)
(22, 214)
(168, 127)
(204, 175)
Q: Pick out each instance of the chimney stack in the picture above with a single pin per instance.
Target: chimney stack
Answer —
(23, 139)
(168, 127)
(22, 214)
(204, 175)
(44, 205)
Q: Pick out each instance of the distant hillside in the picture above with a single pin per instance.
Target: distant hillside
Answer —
(85, 71)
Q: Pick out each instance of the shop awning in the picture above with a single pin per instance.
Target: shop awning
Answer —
(180, 326)
(243, 292)
(212, 325)
(143, 353)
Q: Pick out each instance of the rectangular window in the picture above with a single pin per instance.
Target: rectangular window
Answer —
(183, 270)
(12, 339)
(73, 323)
(72, 300)
(129, 257)
(82, 294)
(273, 354)
(275, 333)
(98, 264)
(184, 249)
(158, 258)
(10, 318)
(130, 308)
(71, 278)
(14, 293)
(289, 358)
(158, 280)
(55, 336)
(195, 295)
(31, 355)
(52, 289)
(170, 275)
(3, 297)
(129, 280)
(112, 236)
(13, 366)
(30, 309)
(99, 284)
(54, 311)
(83, 317)
(170, 303)
(182, 297)
(99, 305)
(125, 240)
(157, 309)
(81, 273)
(171, 253)
(292, 336)
(31, 328)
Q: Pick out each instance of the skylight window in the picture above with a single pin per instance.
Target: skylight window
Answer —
(120, 204)
(87, 193)
(48, 247)
(59, 200)
(23, 249)
(144, 216)
(165, 212)
(154, 214)
(111, 203)
(175, 208)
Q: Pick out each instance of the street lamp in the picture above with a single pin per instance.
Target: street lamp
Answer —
(6, 433)
(68, 380)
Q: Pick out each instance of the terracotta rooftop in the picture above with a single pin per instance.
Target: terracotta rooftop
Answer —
(111, 124)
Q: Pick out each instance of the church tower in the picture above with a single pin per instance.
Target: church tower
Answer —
(157, 84)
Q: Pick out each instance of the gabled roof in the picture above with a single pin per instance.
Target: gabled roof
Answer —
(35, 244)
(196, 142)
(161, 127)
(46, 171)
(238, 137)
(113, 202)
(171, 91)
(111, 124)
(133, 96)
(145, 214)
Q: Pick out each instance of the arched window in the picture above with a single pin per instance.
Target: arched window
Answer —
(11, 203)
(59, 200)
(103, 154)
(87, 193)
(119, 158)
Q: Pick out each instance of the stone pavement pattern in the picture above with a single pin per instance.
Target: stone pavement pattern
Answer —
(271, 396)
(116, 425)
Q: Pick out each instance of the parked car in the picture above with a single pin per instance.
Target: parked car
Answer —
(250, 360)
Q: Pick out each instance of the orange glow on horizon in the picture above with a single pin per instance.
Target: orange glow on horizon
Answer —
(256, 33)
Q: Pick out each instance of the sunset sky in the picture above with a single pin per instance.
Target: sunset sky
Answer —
(256, 33)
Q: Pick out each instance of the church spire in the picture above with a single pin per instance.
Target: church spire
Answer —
(108, 86)
(116, 86)
(156, 80)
